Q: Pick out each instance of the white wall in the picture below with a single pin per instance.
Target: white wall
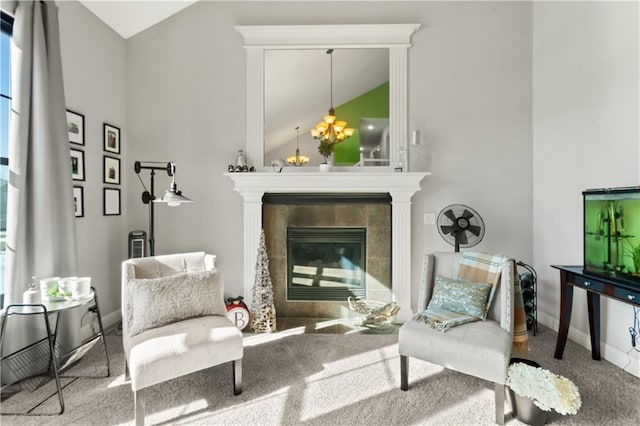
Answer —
(520, 107)
(470, 93)
(470, 96)
(585, 135)
(93, 64)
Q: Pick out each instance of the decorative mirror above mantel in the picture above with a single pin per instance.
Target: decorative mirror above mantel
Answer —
(301, 85)
(259, 41)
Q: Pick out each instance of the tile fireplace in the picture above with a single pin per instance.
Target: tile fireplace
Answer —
(399, 187)
(324, 248)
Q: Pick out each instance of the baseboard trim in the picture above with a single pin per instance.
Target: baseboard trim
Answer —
(615, 356)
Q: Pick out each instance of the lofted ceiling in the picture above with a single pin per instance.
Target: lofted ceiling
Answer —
(128, 18)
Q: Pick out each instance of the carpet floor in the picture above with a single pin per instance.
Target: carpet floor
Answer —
(323, 379)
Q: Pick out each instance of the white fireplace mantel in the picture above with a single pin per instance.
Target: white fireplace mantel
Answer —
(400, 186)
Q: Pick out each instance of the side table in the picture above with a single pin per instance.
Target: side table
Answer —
(595, 286)
(46, 309)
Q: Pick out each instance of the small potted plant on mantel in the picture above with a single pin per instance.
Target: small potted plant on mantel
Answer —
(326, 150)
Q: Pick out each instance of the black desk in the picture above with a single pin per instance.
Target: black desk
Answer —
(574, 276)
(46, 309)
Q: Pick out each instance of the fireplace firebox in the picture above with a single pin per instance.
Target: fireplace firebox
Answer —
(326, 263)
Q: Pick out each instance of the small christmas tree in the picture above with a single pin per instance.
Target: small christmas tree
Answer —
(263, 311)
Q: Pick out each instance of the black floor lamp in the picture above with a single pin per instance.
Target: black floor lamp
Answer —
(172, 197)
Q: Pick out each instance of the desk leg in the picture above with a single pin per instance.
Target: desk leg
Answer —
(55, 335)
(566, 304)
(104, 342)
(593, 306)
(4, 325)
(53, 359)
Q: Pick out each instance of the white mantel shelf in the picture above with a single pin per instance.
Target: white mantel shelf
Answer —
(400, 186)
(333, 182)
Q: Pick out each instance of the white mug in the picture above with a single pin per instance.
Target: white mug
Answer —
(66, 285)
(47, 284)
(81, 287)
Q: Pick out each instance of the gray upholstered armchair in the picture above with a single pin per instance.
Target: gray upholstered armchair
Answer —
(481, 349)
(174, 322)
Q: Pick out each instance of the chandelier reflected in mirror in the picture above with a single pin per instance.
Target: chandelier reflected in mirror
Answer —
(297, 160)
(331, 130)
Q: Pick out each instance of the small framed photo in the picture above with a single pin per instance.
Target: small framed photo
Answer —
(75, 127)
(111, 138)
(78, 200)
(111, 198)
(77, 164)
(111, 170)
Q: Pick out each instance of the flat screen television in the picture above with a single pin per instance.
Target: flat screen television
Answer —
(612, 233)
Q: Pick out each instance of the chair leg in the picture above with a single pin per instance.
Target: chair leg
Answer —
(404, 372)
(138, 402)
(237, 377)
(500, 392)
(127, 376)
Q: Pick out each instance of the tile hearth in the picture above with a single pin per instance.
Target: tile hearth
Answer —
(330, 326)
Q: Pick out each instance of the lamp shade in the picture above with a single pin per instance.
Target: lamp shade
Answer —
(173, 198)
(329, 119)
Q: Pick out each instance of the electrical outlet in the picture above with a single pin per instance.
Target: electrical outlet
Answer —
(429, 218)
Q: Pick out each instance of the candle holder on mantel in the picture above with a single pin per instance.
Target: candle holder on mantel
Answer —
(401, 165)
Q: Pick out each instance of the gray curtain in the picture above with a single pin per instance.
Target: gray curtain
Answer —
(41, 233)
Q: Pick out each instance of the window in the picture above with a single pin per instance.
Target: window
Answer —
(5, 108)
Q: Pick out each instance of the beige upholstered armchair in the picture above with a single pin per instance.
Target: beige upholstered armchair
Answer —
(174, 322)
(481, 348)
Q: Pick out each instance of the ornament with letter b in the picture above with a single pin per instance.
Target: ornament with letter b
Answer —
(237, 312)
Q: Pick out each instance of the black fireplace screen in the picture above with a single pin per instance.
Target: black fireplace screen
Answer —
(326, 263)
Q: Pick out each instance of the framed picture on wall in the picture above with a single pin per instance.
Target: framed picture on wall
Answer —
(77, 164)
(78, 200)
(111, 138)
(111, 170)
(111, 198)
(75, 127)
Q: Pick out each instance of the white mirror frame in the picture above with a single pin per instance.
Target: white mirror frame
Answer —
(395, 37)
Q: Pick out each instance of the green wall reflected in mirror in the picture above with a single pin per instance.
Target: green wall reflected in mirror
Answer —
(370, 135)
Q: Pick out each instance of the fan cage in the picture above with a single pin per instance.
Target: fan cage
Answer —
(448, 218)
